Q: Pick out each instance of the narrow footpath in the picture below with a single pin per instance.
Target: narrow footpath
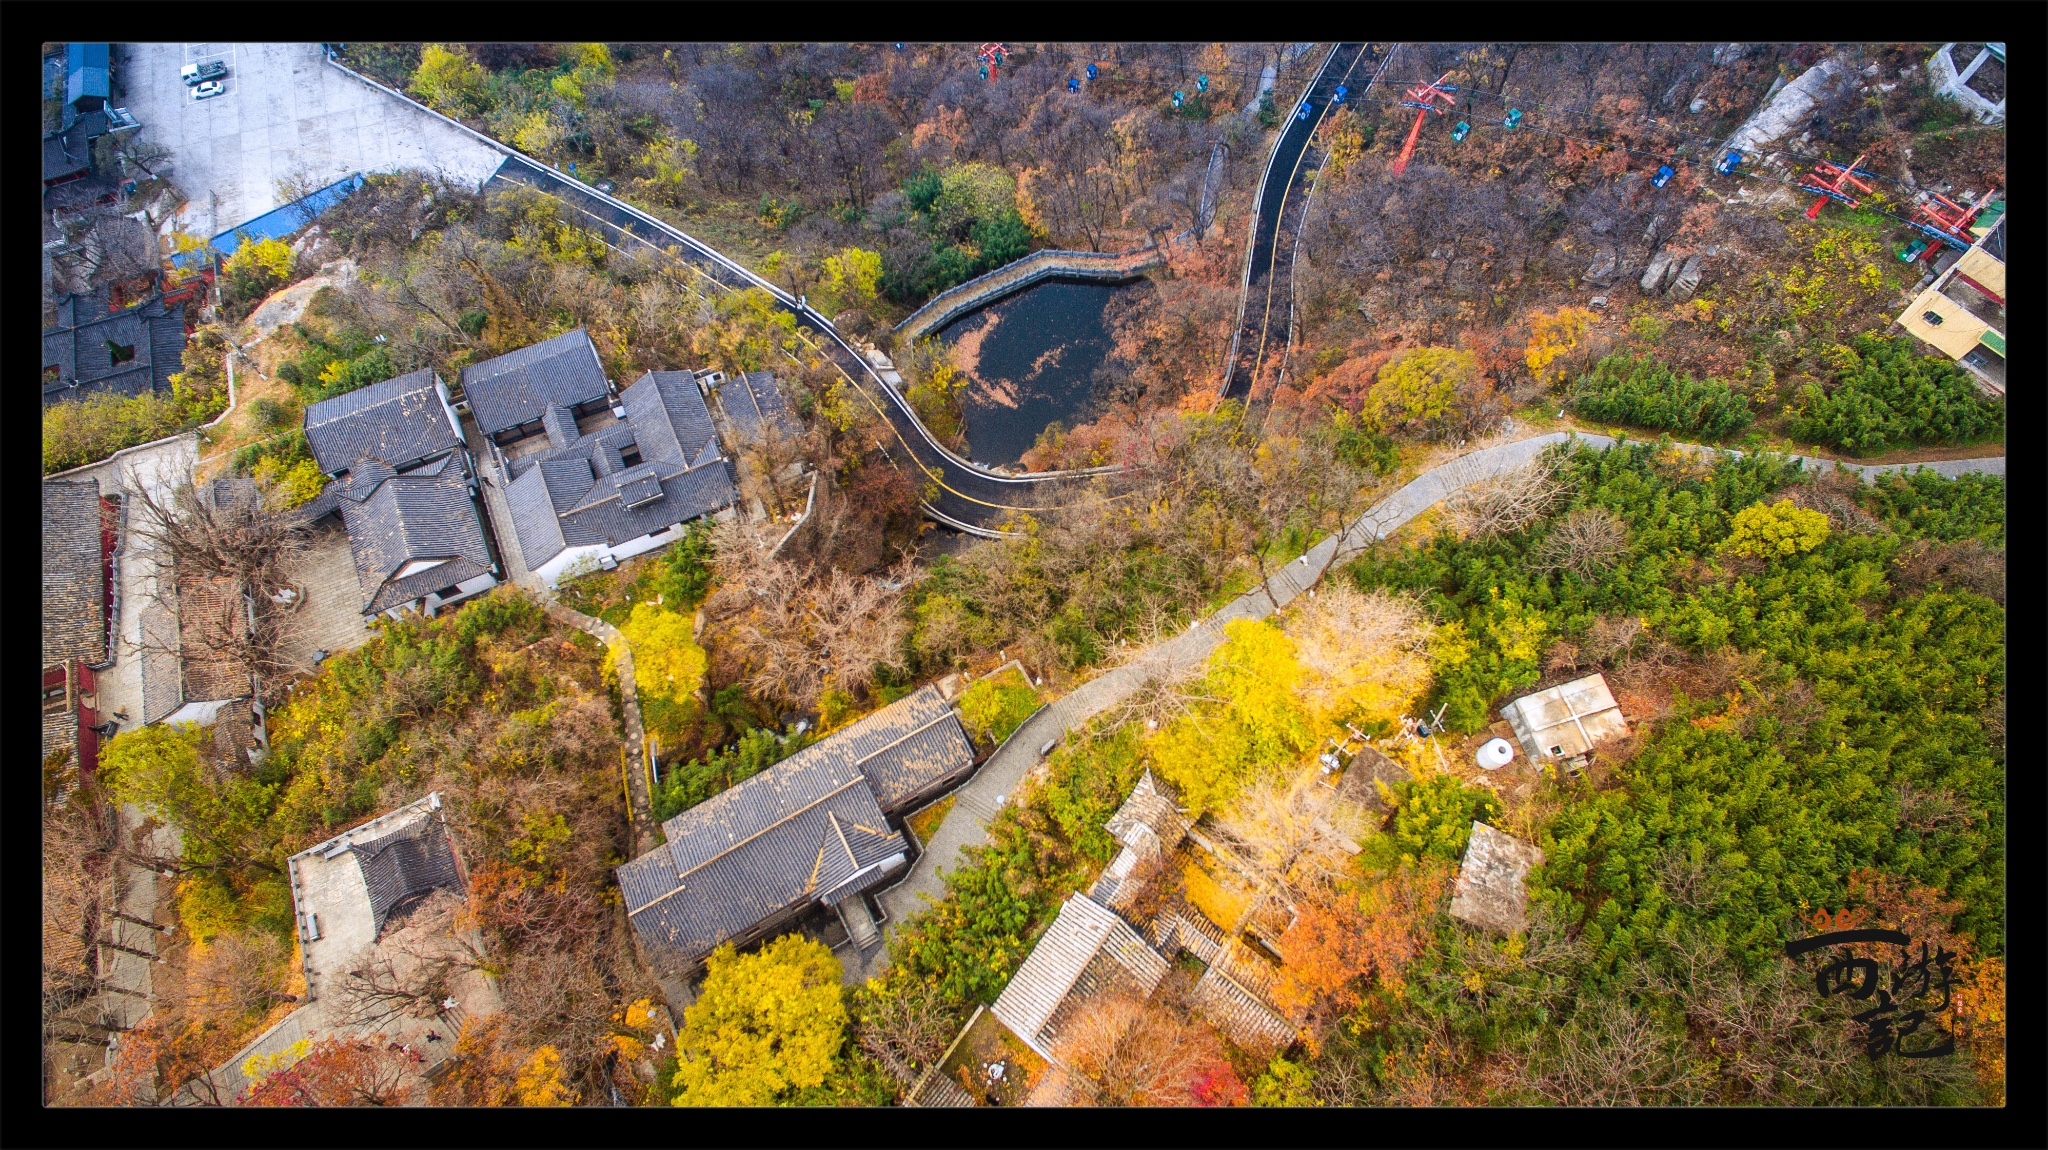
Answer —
(983, 796)
(640, 804)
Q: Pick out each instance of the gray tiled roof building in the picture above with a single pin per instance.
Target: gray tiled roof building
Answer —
(510, 395)
(401, 422)
(412, 534)
(74, 587)
(129, 352)
(754, 404)
(402, 485)
(810, 830)
(622, 481)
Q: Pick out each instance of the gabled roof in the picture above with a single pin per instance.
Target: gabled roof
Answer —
(1083, 931)
(404, 864)
(1567, 720)
(754, 403)
(81, 344)
(211, 619)
(582, 490)
(398, 422)
(74, 589)
(516, 387)
(808, 829)
(86, 72)
(426, 514)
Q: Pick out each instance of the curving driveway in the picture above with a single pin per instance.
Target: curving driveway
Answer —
(1265, 307)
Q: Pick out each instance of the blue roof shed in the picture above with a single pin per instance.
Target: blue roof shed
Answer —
(85, 67)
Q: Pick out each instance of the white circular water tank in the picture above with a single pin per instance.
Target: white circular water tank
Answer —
(1497, 753)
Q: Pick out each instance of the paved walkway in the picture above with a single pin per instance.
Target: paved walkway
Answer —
(641, 808)
(983, 796)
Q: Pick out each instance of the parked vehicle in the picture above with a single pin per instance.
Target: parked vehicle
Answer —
(197, 73)
(208, 90)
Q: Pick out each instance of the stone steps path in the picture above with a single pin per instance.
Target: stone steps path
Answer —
(640, 807)
(984, 795)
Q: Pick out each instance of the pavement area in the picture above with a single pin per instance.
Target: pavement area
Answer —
(285, 112)
(329, 616)
(983, 796)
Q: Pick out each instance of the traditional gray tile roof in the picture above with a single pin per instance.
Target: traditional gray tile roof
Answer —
(421, 515)
(809, 829)
(587, 490)
(86, 74)
(74, 587)
(752, 402)
(162, 676)
(81, 348)
(399, 422)
(1490, 892)
(211, 616)
(1083, 930)
(517, 387)
(404, 864)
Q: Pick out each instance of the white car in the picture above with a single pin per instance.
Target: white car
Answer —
(208, 90)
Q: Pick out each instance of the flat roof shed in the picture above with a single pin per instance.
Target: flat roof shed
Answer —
(1567, 720)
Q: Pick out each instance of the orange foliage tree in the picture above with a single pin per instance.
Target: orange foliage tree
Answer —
(1352, 934)
(342, 1072)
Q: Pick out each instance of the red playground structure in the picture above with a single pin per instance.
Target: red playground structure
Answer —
(1420, 97)
(1828, 180)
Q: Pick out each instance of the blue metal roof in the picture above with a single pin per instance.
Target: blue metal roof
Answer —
(86, 72)
(271, 225)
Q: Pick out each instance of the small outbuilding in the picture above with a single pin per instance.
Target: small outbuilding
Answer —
(1567, 721)
(1491, 891)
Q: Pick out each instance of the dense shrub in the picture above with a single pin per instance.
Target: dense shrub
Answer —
(1886, 395)
(1645, 393)
(994, 707)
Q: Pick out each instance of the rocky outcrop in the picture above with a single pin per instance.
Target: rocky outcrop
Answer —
(1658, 274)
(1605, 262)
(1687, 281)
(1789, 108)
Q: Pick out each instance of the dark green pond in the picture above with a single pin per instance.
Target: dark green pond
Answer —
(1032, 358)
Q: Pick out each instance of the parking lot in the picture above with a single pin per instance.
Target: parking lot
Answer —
(285, 112)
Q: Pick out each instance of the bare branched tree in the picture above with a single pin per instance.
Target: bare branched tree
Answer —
(1124, 1052)
(1508, 503)
(802, 630)
(231, 547)
(1585, 542)
(905, 1032)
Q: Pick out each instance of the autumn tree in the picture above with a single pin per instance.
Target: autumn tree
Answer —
(903, 1025)
(335, 1072)
(1585, 542)
(667, 663)
(1365, 653)
(764, 1025)
(1433, 392)
(1122, 1051)
(798, 629)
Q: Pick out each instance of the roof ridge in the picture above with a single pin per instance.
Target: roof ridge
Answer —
(943, 715)
(681, 875)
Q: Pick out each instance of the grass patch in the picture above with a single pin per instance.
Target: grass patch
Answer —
(925, 823)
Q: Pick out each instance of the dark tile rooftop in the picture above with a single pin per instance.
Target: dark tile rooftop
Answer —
(517, 387)
(74, 589)
(81, 348)
(398, 422)
(422, 515)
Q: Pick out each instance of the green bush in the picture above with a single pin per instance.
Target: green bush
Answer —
(1887, 395)
(687, 784)
(1645, 393)
(684, 575)
(1925, 505)
(89, 430)
(994, 707)
(1433, 818)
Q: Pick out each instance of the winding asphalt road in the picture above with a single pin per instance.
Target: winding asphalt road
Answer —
(956, 493)
(1265, 312)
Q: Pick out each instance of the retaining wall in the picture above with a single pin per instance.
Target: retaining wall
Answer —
(1100, 267)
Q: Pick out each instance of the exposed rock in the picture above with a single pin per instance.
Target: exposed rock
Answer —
(1655, 231)
(1698, 105)
(1729, 53)
(1602, 226)
(1788, 108)
(1687, 281)
(1657, 273)
(1602, 271)
(1869, 70)
(1598, 301)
